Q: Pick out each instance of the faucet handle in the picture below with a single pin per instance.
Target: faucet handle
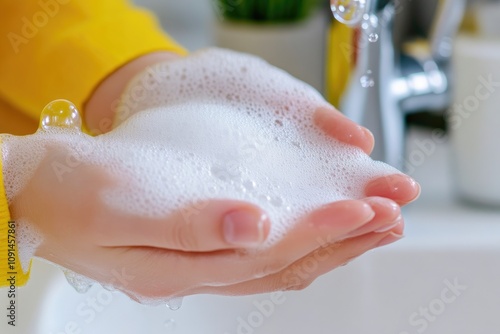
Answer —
(446, 24)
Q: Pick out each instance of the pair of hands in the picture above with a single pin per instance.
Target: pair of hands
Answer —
(165, 258)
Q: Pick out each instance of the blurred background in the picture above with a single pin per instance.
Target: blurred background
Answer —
(425, 79)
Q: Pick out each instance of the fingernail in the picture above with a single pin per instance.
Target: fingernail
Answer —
(419, 190)
(244, 228)
(369, 135)
(390, 225)
(389, 239)
(395, 187)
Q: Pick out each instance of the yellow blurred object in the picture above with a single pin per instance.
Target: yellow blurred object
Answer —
(340, 58)
(469, 23)
(15, 121)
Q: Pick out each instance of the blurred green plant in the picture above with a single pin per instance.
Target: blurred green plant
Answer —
(267, 11)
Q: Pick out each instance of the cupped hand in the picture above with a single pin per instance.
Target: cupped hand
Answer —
(212, 247)
(213, 250)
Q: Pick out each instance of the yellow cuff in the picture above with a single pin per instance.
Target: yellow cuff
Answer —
(11, 272)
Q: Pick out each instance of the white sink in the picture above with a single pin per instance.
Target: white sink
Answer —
(442, 278)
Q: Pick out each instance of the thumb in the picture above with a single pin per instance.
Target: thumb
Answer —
(209, 226)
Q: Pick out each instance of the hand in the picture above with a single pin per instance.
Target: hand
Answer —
(168, 257)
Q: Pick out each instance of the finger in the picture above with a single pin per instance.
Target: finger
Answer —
(304, 271)
(338, 126)
(387, 216)
(399, 187)
(207, 226)
(230, 267)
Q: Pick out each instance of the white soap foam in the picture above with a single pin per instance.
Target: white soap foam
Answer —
(28, 239)
(217, 124)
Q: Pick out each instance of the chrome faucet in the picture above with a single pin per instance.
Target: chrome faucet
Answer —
(400, 81)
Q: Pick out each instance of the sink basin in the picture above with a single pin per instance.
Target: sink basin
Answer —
(442, 278)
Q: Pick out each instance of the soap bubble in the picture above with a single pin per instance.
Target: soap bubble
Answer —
(349, 12)
(367, 80)
(370, 27)
(276, 201)
(60, 114)
(373, 37)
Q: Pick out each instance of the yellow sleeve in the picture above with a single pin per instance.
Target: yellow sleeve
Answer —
(53, 49)
(11, 273)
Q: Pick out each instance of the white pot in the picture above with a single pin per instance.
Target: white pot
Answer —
(297, 47)
(474, 119)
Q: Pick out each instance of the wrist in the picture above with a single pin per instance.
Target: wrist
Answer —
(11, 271)
(99, 110)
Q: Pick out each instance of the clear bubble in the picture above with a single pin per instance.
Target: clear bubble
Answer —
(349, 12)
(80, 283)
(249, 185)
(170, 324)
(367, 80)
(370, 22)
(373, 37)
(370, 27)
(174, 304)
(277, 201)
(60, 114)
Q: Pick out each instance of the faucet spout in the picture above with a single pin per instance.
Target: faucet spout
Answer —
(373, 105)
(387, 83)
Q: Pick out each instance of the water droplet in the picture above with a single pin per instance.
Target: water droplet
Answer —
(367, 80)
(109, 288)
(174, 304)
(60, 114)
(80, 283)
(170, 324)
(373, 37)
(370, 22)
(370, 27)
(349, 12)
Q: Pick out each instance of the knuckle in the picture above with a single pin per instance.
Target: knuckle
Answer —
(183, 236)
(94, 226)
